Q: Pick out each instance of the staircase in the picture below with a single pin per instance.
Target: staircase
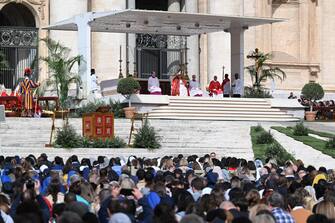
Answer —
(230, 109)
(25, 136)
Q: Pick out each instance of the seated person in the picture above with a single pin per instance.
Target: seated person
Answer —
(291, 96)
(153, 84)
(215, 87)
(194, 88)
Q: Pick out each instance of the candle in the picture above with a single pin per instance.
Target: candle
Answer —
(120, 52)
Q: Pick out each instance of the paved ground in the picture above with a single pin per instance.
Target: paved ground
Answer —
(321, 126)
(301, 151)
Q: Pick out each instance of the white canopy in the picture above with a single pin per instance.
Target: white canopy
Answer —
(160, 22)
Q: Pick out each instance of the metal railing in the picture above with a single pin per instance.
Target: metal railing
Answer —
(19, 45)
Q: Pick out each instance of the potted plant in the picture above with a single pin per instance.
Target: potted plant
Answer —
(312, 92)
(128, 86)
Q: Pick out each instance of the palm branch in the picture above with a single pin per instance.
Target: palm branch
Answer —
(260, 72)
(60, 68)
(272, 73)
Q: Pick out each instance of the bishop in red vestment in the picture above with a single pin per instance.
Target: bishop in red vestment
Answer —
(214, 87)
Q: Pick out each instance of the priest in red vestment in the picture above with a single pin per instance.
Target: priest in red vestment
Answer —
(214, 87)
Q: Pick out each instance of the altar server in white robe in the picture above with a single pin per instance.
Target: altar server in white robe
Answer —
(194, 88)
(153, 84)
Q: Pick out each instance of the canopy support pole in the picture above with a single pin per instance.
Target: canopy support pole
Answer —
(237, 52)
(84, 50)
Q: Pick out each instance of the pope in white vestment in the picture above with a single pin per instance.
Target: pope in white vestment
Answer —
(153, 84)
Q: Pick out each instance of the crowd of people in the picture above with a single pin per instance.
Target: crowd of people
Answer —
(324, 109)
(193, 189)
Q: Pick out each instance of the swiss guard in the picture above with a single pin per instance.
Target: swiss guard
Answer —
(26, 87)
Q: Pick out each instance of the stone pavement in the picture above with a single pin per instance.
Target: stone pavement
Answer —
(321, 126)
(301, 151)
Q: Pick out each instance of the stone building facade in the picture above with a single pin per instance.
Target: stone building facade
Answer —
(302, 45)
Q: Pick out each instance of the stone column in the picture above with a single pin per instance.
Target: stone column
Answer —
(249, 38)
(106, 46)
(192, 42)
(71, 39)
(237, 52)
(174, 6)
(131, 43)
(218, 43)
(57, 13)
(327, 45)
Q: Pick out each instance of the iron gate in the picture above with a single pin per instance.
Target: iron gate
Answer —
(160, 53)
(19, 47)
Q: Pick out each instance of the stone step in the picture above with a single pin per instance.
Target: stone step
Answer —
(210, 112)
(226, 118)
(246, 100)
(196, 105)
(182, 107)
(177, 136)
(218, 102)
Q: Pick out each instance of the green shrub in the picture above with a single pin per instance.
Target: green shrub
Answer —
(87, 143)
(67, 137)
(258, 128)
(88, 108)
(331, 143)
(116, 142)
(313, 91)
(251, 92)
(146, 137)
(265, 138)
(128, 86)
(116, 108)
(99, 143)
(277, 152)
(300, 130)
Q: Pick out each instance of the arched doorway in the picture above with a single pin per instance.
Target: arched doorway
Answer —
(18, 42)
